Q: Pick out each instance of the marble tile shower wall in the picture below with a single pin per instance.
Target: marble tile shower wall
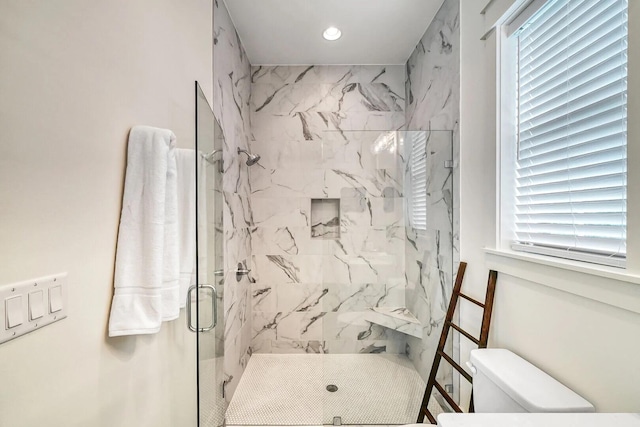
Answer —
(307, 124)
(433, 94)
(232, 84)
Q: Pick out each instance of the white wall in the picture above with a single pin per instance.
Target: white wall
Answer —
(590, 346)
(74, 77)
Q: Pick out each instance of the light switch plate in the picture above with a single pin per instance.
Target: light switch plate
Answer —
(35, 305)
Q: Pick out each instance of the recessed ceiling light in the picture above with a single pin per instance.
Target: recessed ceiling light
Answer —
(332, 33)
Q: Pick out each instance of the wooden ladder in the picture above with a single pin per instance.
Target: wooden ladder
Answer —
(448, 324)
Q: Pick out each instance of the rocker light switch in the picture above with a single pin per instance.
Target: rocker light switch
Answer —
(14, 312)
(36, 305)
(32, 304)
(55, 299)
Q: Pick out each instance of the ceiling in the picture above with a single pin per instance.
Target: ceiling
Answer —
(289, 32)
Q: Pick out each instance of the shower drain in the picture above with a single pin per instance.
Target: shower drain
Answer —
(332, 388)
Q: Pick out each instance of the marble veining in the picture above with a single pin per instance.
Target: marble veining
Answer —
(325, 218)
(327, 207)
(399, 319)
(431, 256)
(329, 229)
(232, 84)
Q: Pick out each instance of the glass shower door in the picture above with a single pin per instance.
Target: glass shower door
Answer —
(387, 232)
(207, 296)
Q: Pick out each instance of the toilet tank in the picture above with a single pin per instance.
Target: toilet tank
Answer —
(505, 382)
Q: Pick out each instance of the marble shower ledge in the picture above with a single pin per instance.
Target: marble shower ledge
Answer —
(399, 319)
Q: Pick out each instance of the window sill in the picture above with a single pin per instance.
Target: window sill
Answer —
(607, 285)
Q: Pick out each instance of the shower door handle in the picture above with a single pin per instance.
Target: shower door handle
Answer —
(214, 308)
(188, 314)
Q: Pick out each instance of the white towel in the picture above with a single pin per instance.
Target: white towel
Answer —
(186, 161)
(191, 165)
(147, 268)
(205, 196)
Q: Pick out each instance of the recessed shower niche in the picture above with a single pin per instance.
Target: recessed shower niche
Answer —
(325, 218)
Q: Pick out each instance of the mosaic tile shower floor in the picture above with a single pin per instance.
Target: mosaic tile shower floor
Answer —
(290, 389)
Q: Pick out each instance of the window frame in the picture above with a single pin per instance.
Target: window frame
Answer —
(507, 125)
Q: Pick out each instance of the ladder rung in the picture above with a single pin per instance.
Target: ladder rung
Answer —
(429, 416)
(448, 398)
(468, 298)
(465, 333)
(455, 365)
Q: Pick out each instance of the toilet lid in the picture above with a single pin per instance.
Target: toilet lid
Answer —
(538, 420)
(533, 389)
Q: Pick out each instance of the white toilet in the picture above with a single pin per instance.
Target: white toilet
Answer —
(508, 391)
(505, 382)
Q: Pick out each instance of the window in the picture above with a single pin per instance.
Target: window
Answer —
(418, 168)
(569, 163)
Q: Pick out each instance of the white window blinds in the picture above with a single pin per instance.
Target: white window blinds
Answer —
(571, 170)
(418, 168)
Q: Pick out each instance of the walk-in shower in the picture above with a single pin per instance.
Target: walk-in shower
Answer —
(347, 226)
(352, 272)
